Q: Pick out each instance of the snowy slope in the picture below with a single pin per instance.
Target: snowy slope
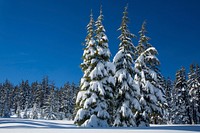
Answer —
(14, 125)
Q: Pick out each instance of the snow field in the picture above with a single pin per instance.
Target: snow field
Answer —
(16, 125)
(88, 131)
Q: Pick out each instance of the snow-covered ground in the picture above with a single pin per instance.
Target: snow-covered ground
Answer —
(15, 125)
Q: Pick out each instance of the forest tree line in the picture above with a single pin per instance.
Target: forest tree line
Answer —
(183, 96)
(43, 100)
(38, 100)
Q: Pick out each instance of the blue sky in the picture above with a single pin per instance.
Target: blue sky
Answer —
(44, 37)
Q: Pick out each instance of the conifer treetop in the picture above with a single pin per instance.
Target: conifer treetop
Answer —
(98, 23)
(143, 43)
(103, 53)
(126, 35)
(89, 50)
(143, 28)
(90, 28)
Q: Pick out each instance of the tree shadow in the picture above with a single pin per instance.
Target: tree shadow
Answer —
(45, 124)
(26, 123)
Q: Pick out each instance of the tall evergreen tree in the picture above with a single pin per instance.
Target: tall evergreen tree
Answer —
(194, 92)
(50, 109)
(7, 89)
(65, 98)
(34, 111)
(169, 96)
(16, 98)
(102, 81)
(73, 94)
(1, 100)
(99, 94)
(158, 81)
(181, 99)
(39, 95)
(35, 97)
(149, 78)
(27, 94)
(198, 72)
(198, 92)
(126, 90)
(45, 89)
(89, 53)
(24, 94)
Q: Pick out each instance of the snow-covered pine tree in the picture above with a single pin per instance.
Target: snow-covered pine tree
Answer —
(169, 95)
(174, 105)
(149, 78)
(31, 97)
(99, 93)
(102, 81)
(65, 98)
(18, 111)
(50, 110)
(74, 91)
(1, 100)
(15, 98)
(34, 111)
(39, 95)
(25, 97)
(35, 102)
(181, 99)
(126, 91)
(70, 102)
(194, 92)
(24, 94)
(7, 89)
(198, 72)
(192, 86)
(198, 92)
(57, 103)
(39, 98)
(25, 114)
(89, 53)
(158, 115)
(45, 89)
(43, 93)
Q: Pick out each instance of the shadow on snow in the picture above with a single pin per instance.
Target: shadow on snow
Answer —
(26, 123)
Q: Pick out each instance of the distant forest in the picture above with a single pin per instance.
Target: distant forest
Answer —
(43, 100)
(38, 100)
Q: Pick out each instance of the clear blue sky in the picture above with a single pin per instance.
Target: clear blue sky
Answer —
(43, 37)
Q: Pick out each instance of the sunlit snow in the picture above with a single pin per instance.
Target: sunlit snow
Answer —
(16, 125)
